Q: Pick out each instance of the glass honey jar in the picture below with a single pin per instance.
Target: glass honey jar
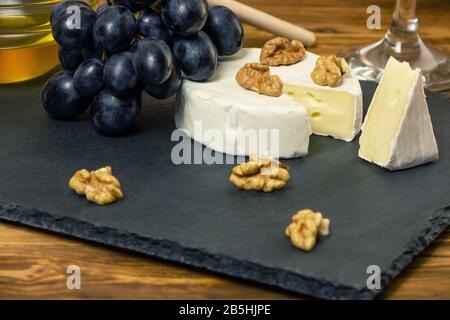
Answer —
(27, 48)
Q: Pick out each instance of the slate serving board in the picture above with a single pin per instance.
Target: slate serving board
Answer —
(192, 215)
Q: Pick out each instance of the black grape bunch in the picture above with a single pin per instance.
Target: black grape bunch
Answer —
(112, 54)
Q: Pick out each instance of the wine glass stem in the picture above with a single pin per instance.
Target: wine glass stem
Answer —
(404, 29)
(405, 10)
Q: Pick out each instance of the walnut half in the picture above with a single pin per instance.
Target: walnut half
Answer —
(281, 51)
(99, 186)
(329, 71)
(260, 174)
(305, 227)
(256, 77)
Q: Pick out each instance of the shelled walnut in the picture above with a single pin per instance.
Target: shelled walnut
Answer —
(281, 51)
(256, 77)
(329, 71)
(305, 227)
(260, 174)
(99, 186)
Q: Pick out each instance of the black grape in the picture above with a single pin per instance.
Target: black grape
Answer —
(196, 55)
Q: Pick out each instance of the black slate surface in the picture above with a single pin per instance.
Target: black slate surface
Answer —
(192, 215)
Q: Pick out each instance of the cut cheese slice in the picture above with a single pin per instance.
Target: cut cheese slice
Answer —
(397, 131)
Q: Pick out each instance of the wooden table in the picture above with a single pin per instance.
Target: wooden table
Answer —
(33, 263)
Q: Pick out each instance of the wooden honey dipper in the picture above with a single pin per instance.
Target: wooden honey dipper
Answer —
(267, 22)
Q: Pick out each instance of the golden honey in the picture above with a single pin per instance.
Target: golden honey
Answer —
(20, 64)
(27, 48)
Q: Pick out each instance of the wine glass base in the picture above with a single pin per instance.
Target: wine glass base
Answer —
(368, 62)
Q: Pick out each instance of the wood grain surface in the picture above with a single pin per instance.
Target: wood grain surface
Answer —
(33, 263)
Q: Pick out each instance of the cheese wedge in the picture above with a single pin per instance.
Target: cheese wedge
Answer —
(397, 131)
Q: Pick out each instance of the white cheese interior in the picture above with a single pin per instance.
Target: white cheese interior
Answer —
(331, 113)
(388, 108)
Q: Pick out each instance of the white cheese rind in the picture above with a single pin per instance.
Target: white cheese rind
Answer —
(221, 105)
(414, 142)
